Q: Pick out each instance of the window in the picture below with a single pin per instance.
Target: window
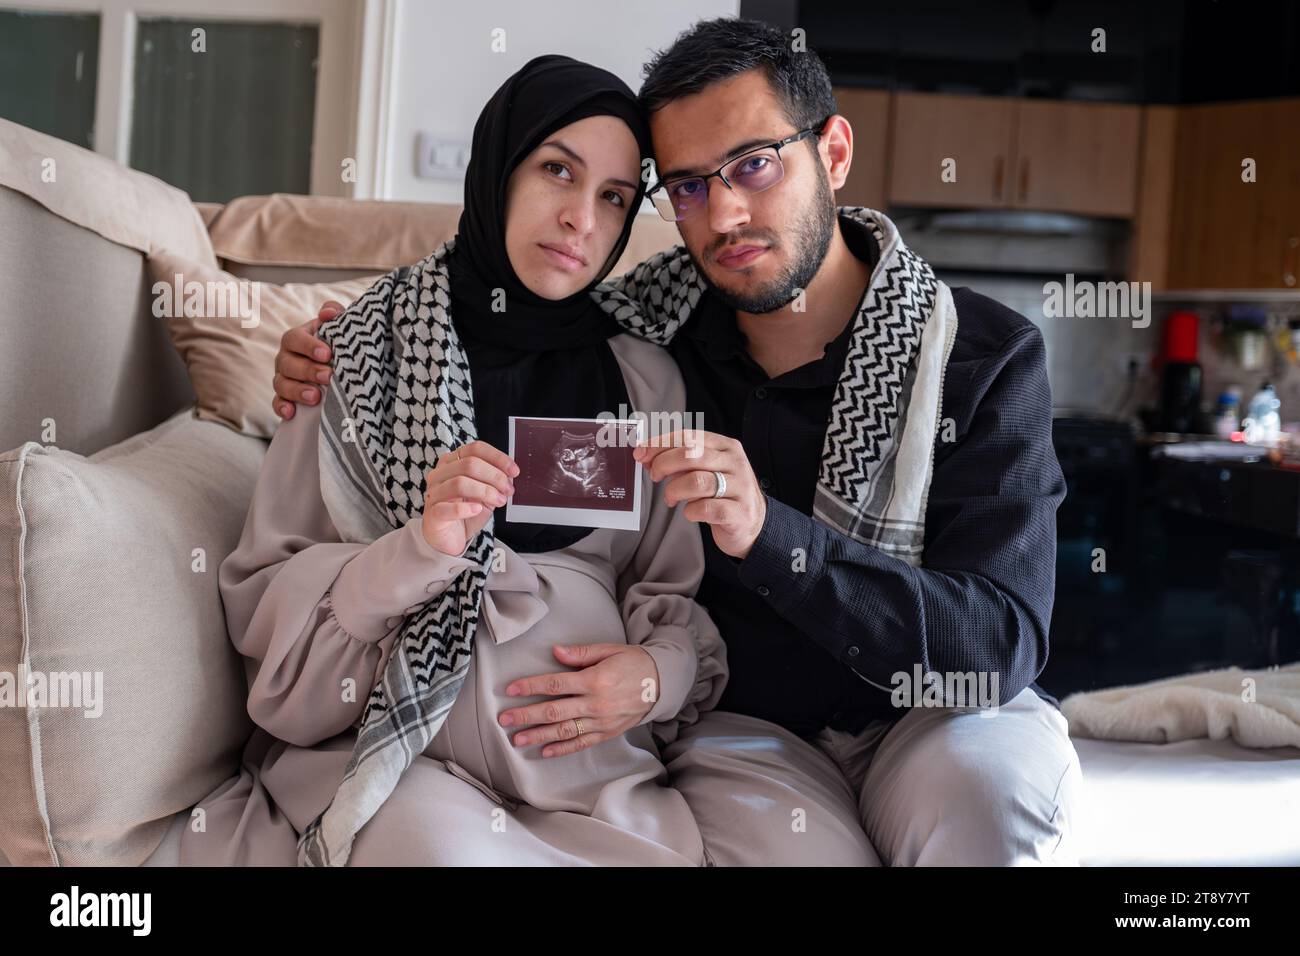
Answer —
(283, 97)
(49, 64)
(225, 109)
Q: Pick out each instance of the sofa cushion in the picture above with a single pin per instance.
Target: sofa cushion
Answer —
(324, 232)
(123, 205)
(83, 364)
(231, 356)
(339, 235)
(109, 571)
(1191, 803)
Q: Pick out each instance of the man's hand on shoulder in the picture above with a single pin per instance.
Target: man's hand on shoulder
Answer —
(302, 366)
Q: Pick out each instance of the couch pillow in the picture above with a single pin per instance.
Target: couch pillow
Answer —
(328, 233)
(228, 330)
(102, 576)
(123, 205)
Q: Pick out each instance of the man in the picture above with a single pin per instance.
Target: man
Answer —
(811, 757)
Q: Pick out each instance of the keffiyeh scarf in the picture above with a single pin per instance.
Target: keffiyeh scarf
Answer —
(878, 454)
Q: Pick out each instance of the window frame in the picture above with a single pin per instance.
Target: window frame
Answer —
(353, 76)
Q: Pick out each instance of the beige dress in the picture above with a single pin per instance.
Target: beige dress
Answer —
(316, 619)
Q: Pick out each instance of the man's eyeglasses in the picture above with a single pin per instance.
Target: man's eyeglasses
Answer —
(752, 172)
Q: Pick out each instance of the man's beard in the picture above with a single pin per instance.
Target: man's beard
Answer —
(811, 240)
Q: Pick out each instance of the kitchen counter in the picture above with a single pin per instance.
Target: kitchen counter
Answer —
(1254, 494)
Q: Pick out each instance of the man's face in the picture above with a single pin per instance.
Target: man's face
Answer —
(756, 251)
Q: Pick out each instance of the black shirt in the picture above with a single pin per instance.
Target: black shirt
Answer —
(800, 641)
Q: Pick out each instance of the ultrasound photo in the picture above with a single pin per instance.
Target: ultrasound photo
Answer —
(576, 471)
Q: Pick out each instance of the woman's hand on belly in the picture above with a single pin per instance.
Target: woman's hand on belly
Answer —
(616, 686)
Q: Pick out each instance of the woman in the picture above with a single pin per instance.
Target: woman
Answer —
(385, 607)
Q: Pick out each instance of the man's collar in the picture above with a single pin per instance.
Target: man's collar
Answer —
(860, 240)
(713, 324)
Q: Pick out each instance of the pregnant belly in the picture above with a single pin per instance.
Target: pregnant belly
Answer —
(580, 611)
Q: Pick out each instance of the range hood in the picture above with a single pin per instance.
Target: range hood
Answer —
(1010, 241)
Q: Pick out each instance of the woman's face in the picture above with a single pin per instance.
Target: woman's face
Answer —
(566, 204)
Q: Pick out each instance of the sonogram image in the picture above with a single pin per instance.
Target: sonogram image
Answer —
(573, 463)
(579, 467)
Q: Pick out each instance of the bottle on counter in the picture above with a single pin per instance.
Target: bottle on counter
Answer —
(1180, 375)
(1227, 414)
(1263, 422)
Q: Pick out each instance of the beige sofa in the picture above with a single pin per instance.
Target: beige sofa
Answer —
(120, 504)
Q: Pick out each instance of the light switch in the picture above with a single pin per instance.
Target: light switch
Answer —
(438, 157)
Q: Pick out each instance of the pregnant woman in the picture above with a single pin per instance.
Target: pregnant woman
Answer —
(392, 621)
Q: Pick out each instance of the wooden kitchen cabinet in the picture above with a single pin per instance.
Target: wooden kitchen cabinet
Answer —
(1050, 156)
(1175, 172)
(1077, 157)
(1149, 252)
(975, 131)
(1226, 233)
(868, 113)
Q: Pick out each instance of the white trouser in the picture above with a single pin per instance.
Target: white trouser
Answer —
(941, 786)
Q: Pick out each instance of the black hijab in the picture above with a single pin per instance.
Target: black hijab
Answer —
(544, 358)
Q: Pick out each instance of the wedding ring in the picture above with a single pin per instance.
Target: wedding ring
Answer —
(722, 484)
(458, 454)
(577, 722)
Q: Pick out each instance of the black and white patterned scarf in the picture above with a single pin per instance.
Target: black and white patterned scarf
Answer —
(878, 455)
(402, 397)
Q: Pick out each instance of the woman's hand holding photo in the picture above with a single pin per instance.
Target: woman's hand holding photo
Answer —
(462, 490)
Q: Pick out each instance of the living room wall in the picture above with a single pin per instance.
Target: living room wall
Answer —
(445, 69)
